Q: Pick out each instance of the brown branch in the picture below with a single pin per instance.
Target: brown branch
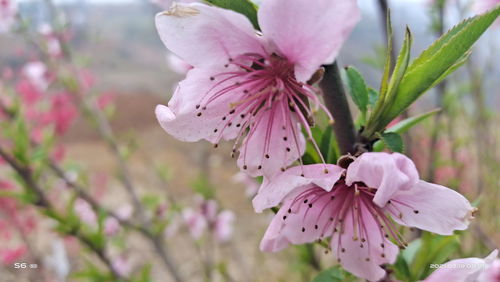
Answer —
(336, 102)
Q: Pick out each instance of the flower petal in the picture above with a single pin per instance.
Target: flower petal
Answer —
(432, 207)
(298, 222)
(388, 173)
(204, 35)
(272, 144)
(181, 119)
(308, 33)
(461, 270)
(363, 261)
(274, 190)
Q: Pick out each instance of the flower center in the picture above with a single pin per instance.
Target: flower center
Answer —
(265, 90)
(348, 211)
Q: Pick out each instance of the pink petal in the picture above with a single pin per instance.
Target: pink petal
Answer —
(353, 257)
(292, 225)
(204, 35)
(462, 270)
(267, 149)
(433, 208)
(308, 33)
(274, 190)
(388, 173)
(181, 119)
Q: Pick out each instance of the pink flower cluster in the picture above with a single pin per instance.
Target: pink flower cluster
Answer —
(8, 10)
(255, 87)
(207, 217)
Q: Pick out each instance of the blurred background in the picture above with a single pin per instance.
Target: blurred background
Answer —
(191, 191)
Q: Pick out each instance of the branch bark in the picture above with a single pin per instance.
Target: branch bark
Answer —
(336, 101)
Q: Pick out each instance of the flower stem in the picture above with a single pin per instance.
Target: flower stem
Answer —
(336, 101)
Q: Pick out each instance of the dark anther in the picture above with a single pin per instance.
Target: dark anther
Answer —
(310, 205)
(343, 250)
(289, 210)
(216, 145)
(267, 156)
(204, 108)
(303, 229)
(242, 116)
(284, 217)
(212, 78)
(288, 149)
(238, 125)
(245, 167)
(285, 138)
(332, 197)
(223, 118)
(382, 245)
(229, 123)
(197, 106)
(331, 218)
(198, 114)
(382, 255)
(259, 167)
(232, 111)
(283, 169)
(316, 226)
(215, 130)
(302, 174)
(305, 201)
(415, 211)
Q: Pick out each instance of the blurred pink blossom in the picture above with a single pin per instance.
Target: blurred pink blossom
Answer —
(85, 212)
(52, 43)
(195, 222)
(8, 10)
(8, 256)
(224, 226)
(251, 185)
(37, 73)
(122, 266)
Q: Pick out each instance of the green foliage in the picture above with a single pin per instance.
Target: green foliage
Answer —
(245, 7)
(393, 141)
(403, 126)
(92, 273)
(332, 274)
(357, 89)
(443, 57)
(202, 186)
(413, 263)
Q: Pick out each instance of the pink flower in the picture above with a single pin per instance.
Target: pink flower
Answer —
(11, 255)
(251, 185)
(195, 221)
(356, 207)
(52, 44)
(37, 73)
(8, 10)
(469, 270)
(249, 86)
(223, 228)
(85, 212)
(122, 266)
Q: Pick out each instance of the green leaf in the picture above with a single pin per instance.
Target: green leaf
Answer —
(357, 89)
(393, 141)
(435, 249)
(332, 274)
(403, 126)
(245, 7)
(442, 57)
(372, 96)
(325, 146)
(402, 270)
